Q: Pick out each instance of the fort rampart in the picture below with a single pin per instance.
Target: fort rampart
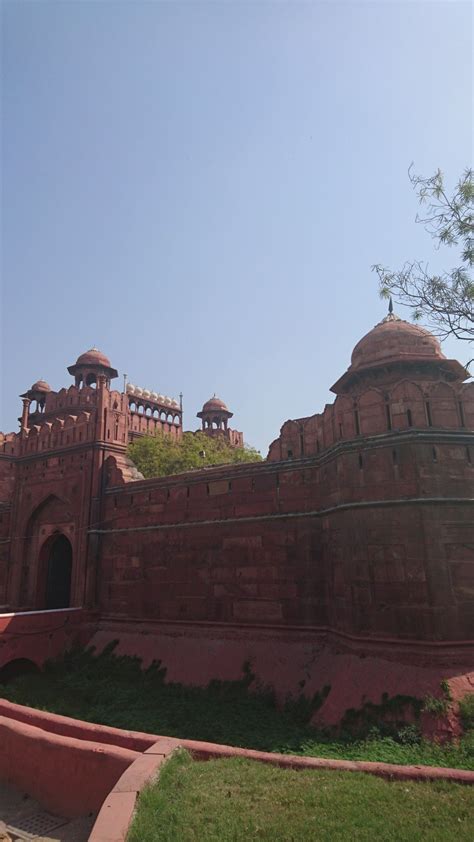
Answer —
(359, 525)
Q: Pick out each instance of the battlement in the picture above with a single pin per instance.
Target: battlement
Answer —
(7, 444)
(62, 402)
(372, 411)
(59, 432)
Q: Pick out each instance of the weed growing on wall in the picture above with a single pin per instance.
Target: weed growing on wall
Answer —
(466, 710)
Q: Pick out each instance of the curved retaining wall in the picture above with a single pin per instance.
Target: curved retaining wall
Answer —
(66, 775)
(66, 726)
(74, 767)
(390, 771)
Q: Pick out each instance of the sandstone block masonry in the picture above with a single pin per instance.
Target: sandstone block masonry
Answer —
(360, 521)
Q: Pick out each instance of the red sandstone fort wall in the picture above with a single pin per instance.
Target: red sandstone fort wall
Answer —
(353, 539)
(361, 520)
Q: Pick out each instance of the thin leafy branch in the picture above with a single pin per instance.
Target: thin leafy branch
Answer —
(445, 300)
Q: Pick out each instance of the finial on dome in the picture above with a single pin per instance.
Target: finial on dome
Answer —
(391, 316)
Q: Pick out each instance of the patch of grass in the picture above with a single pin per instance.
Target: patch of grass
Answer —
(236, 800)
(114, 690)
(466, 709)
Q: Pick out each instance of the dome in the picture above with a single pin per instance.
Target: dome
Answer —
(175, 403)
(93, 357)
(161, 399)
(138, 391)
(40, 386)
(395, 340)
(215, 404)
(153, 396)
(146, 393)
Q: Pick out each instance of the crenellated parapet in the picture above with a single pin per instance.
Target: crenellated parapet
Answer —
(58, 433)
(90, 410)
(374, 411)
(64, 402)
(8, 443)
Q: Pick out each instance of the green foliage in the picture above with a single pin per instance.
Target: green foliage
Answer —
(468, 744)
(115, 690)
(387, 718)
(236, 800)
(303, 707)
(162, 455)
(444, 684)
(435, 705)
(409, 735)
(466, 709)
(446, 301)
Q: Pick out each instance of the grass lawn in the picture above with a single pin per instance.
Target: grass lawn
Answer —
(115, 691)
(236, 800)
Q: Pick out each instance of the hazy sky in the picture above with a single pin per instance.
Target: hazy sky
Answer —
(200, 189)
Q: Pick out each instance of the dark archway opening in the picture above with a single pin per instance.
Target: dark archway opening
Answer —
(20, 666)
(58, 575)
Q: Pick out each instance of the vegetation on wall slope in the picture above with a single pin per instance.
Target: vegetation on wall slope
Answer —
(115, 691)
(161, 455)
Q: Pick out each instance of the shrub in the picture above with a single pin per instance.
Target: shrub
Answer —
(435, 705)
(466, 710)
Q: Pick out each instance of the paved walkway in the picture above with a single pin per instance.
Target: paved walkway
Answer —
(22, 819)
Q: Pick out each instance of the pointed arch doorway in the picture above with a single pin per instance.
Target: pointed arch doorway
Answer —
(58, 573)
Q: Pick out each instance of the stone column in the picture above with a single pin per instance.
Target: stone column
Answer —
(24, 414)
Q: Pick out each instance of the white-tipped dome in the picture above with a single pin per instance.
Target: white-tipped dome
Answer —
(138, 391)
(161, 398)
(130, 389)
(167, 400)
(174, 402)
(146, 393)
(153, 396)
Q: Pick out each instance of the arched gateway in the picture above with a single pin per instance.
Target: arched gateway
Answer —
(58, 573)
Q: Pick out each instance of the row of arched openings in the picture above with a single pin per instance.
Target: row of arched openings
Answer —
(157, 414)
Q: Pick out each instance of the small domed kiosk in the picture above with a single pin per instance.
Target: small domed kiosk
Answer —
(41, 387)
(89, 366)
(37, 396)
(215, 416)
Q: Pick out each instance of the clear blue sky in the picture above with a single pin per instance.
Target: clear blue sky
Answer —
(200, 189)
